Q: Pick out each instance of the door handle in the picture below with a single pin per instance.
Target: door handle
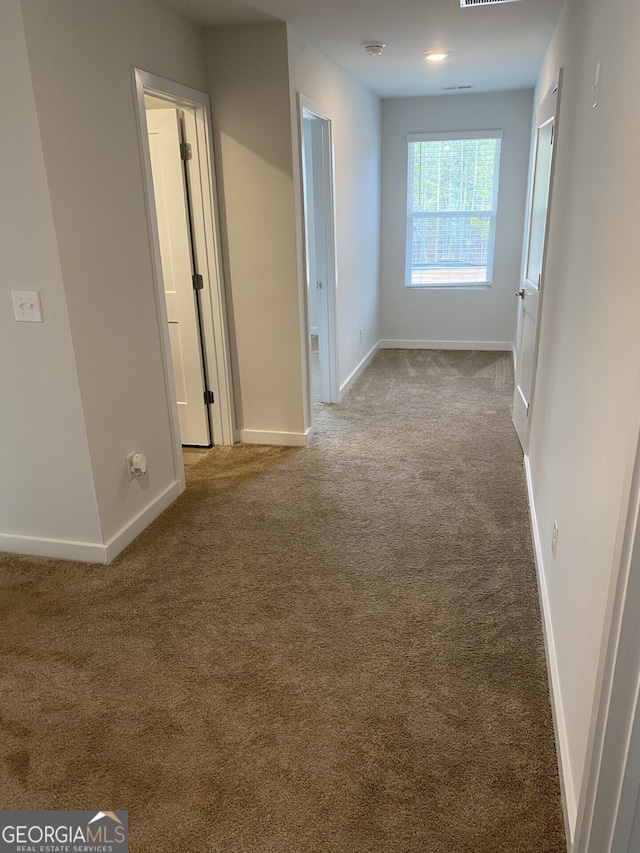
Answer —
(520, 293)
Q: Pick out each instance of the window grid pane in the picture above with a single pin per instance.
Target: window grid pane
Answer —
(452, 195)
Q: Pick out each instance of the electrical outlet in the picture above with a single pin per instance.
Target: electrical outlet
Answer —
(130, 470)
(136, 465)
(361, 334)
(554, 538)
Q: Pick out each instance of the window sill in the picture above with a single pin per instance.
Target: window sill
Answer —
(462, 286)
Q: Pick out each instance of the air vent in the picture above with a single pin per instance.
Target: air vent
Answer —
(466, 3)
(456, 88)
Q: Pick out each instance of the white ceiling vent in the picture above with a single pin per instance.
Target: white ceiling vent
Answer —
(466, 3)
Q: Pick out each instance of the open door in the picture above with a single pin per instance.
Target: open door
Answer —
(530, 294)
(176, 253)
(201, 313)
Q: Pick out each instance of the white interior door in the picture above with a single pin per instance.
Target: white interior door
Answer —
(177, 270)
(530, 292)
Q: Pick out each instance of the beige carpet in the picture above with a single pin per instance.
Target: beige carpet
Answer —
(328, 650)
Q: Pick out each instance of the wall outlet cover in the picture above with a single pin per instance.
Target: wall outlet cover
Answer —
(27, 307)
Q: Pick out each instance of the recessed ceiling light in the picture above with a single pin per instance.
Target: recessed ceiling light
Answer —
(436, 55)
(374, 48)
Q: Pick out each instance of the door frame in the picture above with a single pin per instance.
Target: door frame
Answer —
(609, 796)
(206, 244)
(554, 91)
(308, 106)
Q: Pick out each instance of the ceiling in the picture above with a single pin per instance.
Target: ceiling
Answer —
(493, 47)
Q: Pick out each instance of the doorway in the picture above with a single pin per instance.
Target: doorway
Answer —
(175, 137)
(168, 151)
(530, 293)
(317, 185)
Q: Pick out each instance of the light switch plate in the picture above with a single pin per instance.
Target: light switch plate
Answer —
(26, 306)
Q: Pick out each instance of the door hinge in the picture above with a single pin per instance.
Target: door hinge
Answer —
(185, 151)
(198, 282)
(208, 397)
(319, 285)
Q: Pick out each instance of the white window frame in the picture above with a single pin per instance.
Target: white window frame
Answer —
(450, 136)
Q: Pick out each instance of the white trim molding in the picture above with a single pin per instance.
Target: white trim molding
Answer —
(569, 803)
(307, 108)
(57, 549)
(607, 813)
(282, 439)
(358, 371)
(206, 244)
(92, 552)
(143, 519)
(492, 346)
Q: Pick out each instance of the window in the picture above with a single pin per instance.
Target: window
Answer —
(452, 197)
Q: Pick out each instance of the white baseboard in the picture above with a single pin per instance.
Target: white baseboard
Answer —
(90, 552)
(559, 724)
(355, 373)
(283, 439)
(491, 346)
(58, 549)
(144, 518)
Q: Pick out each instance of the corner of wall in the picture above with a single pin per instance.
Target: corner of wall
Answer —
(251, 113)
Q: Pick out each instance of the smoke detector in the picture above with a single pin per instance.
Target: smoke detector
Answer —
(374, 48)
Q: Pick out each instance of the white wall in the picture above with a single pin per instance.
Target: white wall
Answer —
(457, 317)
(81, 54)
(47, 483)
(355, 125)
(249, 85)
(586, 405)
(255, 114)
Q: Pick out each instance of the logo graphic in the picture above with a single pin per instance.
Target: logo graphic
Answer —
(64, 832)
(100, 815)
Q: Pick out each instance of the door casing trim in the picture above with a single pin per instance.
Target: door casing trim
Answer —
(554, 92)
(216, 350)
(307, 105)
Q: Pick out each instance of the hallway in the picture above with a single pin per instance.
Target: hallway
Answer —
(335, 649)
